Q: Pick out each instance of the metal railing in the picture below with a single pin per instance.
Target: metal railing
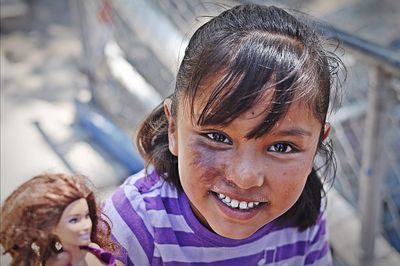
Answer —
(385, 67)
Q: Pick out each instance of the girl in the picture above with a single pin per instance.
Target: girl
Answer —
(230, 176)
(52, 213)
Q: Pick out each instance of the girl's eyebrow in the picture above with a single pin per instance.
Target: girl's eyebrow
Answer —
(296, 132)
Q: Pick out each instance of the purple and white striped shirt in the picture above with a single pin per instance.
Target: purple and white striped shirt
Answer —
(155, 225)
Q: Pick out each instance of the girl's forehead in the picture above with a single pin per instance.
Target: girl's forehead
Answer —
(205, 92)
(295, 109)
(260, 107)
(259, 110)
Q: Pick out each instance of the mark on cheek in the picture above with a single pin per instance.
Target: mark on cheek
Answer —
(206, 164)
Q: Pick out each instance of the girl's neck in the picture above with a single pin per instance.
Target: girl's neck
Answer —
(77, 255)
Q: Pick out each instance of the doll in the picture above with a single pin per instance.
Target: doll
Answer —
(53, 213)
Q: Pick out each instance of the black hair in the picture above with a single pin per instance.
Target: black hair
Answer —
(252, 49)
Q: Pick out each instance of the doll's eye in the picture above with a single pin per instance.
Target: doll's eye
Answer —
(73, 220)
(282, 148)
(218, 137)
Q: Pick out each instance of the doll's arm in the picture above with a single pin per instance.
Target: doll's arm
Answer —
(119, 263)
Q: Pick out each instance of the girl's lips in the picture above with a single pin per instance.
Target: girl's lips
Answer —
(236, 213)
(240, 197)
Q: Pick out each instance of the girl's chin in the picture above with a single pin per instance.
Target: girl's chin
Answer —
(234, 233)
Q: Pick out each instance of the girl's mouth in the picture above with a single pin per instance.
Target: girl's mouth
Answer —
(237, 204)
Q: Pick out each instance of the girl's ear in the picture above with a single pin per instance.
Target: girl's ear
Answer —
(327, 131)
(172, 131)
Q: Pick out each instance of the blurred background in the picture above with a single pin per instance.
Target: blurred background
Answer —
(78, 76)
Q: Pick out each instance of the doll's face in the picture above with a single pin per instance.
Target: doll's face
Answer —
(237, 185)
(75, 225)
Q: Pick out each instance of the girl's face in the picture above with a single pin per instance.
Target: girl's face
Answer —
(237, 185)
(75, 225)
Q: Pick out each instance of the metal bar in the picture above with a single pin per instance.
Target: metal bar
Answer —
(77, 9)
(54, 147)
(372, 170)
(155, 29)
(387, 59)
(109, 137)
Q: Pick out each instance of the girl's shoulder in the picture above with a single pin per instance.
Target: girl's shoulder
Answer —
(139, 206)
(137, 186)
(133, 193)
(143, 181)
(147, 184)
(140, 196)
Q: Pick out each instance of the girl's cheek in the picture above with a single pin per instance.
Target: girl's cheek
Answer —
(206, 164)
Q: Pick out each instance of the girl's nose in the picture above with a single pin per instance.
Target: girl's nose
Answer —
(246, 172)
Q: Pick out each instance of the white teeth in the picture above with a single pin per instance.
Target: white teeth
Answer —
(243, 205)
(227, 199)
(234, 203)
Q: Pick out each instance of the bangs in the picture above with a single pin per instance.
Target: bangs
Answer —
(242, 69)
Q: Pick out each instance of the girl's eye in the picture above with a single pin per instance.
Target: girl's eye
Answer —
(281, 148)
(218, 137)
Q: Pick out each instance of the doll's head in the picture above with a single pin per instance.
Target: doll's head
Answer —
(240, 133)
(33, 211)
(75, 225)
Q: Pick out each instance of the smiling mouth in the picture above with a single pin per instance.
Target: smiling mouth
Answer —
(236, 204)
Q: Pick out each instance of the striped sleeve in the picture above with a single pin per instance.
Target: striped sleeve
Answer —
(319, 251)
(129, 228)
